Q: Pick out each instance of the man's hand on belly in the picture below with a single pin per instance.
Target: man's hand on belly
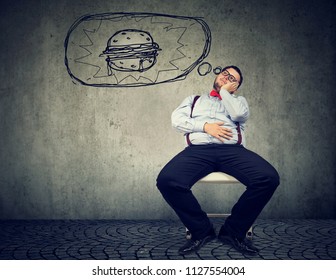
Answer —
(216, 130)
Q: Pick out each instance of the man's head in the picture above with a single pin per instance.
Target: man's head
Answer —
(229, 74)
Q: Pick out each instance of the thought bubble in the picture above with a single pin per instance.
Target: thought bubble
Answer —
(135, 49)
(204, 68)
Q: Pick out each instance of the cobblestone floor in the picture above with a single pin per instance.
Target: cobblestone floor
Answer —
(158, 239)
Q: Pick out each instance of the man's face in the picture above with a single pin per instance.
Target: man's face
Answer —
(229, 75)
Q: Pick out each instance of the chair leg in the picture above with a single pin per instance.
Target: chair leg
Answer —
(188, 234)
(249, 234)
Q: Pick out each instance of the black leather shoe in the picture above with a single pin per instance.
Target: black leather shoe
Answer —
(193, 245)
(244, 246)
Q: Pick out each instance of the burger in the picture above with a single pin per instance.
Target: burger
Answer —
(131, 50)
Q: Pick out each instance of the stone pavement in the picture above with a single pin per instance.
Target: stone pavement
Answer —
(158, 239)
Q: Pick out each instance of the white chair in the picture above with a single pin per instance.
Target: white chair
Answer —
(219, 178)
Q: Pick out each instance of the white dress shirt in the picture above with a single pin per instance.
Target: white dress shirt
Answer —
(233, 110)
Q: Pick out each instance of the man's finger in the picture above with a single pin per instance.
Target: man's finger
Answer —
(227, 131)
(224, 129)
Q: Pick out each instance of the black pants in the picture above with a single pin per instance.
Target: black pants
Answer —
(185, 169)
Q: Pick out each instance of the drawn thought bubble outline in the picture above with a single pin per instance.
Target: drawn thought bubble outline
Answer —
(70, 60)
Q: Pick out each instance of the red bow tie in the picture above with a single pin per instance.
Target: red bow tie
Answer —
(216, 94)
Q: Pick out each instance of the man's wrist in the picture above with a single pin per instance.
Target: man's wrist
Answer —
(224, 91)
(204, 129)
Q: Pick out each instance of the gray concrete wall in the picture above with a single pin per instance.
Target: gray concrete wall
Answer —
(81, 152)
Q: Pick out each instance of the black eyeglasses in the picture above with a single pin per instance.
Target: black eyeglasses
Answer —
(231, 78)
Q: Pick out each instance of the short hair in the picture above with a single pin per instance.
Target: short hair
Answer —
(239, 72)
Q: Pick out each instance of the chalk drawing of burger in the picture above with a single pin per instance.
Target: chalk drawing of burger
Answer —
(130, 50)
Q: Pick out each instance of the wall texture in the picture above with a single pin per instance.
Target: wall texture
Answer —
(82, 152)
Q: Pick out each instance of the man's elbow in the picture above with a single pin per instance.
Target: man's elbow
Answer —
(240, 117)
(174, 125)
(174, 122)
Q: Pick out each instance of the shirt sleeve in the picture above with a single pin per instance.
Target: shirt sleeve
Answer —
(181, 119)
(236, 106)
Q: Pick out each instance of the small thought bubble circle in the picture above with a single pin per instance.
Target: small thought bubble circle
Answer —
(204, 68)
(217, 70)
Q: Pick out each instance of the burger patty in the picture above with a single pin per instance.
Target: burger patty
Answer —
(132, 50)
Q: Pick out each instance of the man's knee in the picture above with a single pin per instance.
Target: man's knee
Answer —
(161, 181)
(164, 181)
(267, 180)
(273, 179)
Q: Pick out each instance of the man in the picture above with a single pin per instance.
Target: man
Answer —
(213, 126)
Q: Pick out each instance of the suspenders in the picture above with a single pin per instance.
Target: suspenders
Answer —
(193, 105)
(192, 109)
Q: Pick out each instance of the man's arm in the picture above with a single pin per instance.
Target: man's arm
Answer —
(181, 119)
(236, 106)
